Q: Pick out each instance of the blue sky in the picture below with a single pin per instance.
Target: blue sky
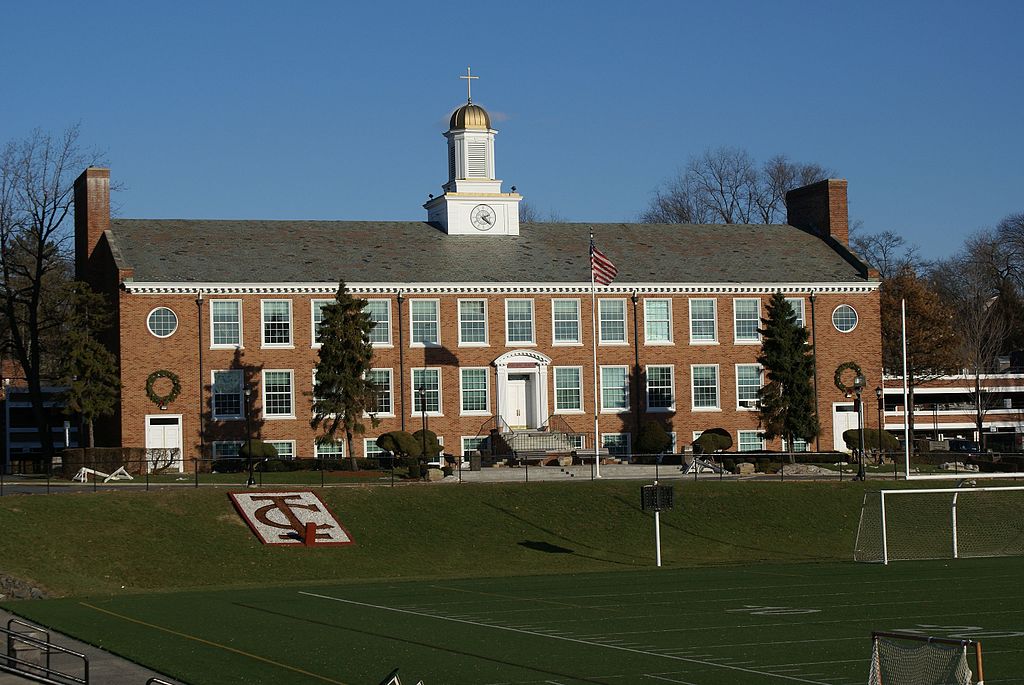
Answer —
(334, 110)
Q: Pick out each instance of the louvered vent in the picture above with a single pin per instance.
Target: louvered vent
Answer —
(451, 160)
(476, 159)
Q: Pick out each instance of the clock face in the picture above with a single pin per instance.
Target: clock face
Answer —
(483, 217)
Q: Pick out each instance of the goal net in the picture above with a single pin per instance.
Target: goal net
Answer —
(946, 523)
(899, 659)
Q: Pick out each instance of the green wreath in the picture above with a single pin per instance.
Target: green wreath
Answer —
(163, 400)
(838, 379)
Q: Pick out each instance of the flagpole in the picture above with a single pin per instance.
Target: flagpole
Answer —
(593, 331)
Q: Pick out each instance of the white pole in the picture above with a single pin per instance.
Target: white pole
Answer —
(657, 535)
(906, 392)
(885, 537)
(956, 554)
(593, 332)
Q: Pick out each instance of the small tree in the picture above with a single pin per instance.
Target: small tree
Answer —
(342, 393)
(400, 443)
(428, 443)
(653, 439)
(713, 440)
(88, 369)
(787, 399)
(260, 450)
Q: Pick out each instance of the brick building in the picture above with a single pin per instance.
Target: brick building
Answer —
(484, 321)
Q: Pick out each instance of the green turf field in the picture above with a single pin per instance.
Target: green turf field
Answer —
(761, 623)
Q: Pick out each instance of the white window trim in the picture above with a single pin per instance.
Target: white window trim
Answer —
(391, 384)
(672, 389)
(554, 387)
(290, 345)
(718, 390)
(629, 441)
(579, 325)
(317, 455)
(377, 450)
(801, 313)
(625, 322)
(295, 454)
(600, 391)
(241, 327)
(739, 441)
(213, 448)
(671, 333)
(464, 438)
(437, 312)
(389, 342)
(487, 392)
(312, 321)
(214, 416)
(177, 322)
(440, 394)
(263, 393)
(756, 340)
(740, 407)
(533, 323)
(856, 323)
(487, 328)
(714, 313)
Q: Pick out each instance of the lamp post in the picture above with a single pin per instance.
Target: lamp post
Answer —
(858, 387)
(878, 395)
(422, 391)
(248, 432)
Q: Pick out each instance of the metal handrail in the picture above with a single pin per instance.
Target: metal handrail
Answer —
(49, 675)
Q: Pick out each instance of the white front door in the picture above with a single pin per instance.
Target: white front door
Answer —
(517, 409)
(844, 418)
(163, 442)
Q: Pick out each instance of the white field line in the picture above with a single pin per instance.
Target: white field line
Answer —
(668, 680)
(568, 639)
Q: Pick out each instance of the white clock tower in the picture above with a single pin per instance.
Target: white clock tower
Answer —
(473, 203)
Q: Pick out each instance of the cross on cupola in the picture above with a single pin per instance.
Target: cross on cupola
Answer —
(473, 203)
(469, 84)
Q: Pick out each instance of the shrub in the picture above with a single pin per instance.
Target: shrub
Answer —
(852, 439)
(432, 445)
(400, 443)
(260, 450)
(729, 465)
(652, 438)
(713, 440)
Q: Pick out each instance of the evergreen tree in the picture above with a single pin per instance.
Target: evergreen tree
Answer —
(342, 393)
(787, 399)
(88, 369)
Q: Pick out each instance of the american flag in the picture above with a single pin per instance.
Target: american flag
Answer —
(602, 268)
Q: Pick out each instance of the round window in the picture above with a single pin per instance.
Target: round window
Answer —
(844, 318)
(162, 322)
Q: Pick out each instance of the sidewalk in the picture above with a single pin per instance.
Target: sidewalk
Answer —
(104, 667)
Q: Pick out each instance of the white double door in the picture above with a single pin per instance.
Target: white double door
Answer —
(163, 432)
(517, 403)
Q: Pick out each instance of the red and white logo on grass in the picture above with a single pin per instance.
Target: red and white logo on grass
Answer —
(290, 518)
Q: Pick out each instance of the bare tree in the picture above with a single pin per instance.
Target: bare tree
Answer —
(887, 251)
(726, 185)
(529, 214)
(36, 196)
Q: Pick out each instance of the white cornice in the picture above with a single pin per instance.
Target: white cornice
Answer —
(155, 288)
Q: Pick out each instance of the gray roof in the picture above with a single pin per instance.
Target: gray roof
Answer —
(242, 251)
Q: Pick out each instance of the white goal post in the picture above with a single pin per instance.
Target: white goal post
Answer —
(906, 659)
(940, 523)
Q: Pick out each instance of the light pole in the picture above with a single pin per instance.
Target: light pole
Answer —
(248, 432)
(422, 390)
(878, 395)
(858, 387)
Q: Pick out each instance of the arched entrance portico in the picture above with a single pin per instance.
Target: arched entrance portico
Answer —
(522, 391)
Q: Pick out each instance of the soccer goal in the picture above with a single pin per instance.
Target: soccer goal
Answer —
(946, 523)
(905, 658)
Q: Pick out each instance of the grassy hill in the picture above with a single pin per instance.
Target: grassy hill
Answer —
(185, 538)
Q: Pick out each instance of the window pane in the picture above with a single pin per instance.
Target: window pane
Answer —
(381, 378)
(227, 321)
(285, 448)
(844, 318)
(162, 322)
(277, 393)
(705, 387)
(797, 303)
(750, 441)
(613, 388)
(331, 449)
(702, 320)
(424, 322)
(659, 387)
(520, 321)
(568, 389)
(657, 326)
(748, 382)
(277, 324)
(567, 321)
(226, 449)
(613, 320)
(426, 387)
(380, 315)
(615, 443)
(472, 324)
(474, 390)
(227, 394)
(747, 315)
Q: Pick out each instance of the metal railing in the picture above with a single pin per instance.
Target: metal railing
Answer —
(22, 646)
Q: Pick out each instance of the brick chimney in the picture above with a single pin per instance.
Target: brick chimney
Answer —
(820, 208)
(92, 216)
